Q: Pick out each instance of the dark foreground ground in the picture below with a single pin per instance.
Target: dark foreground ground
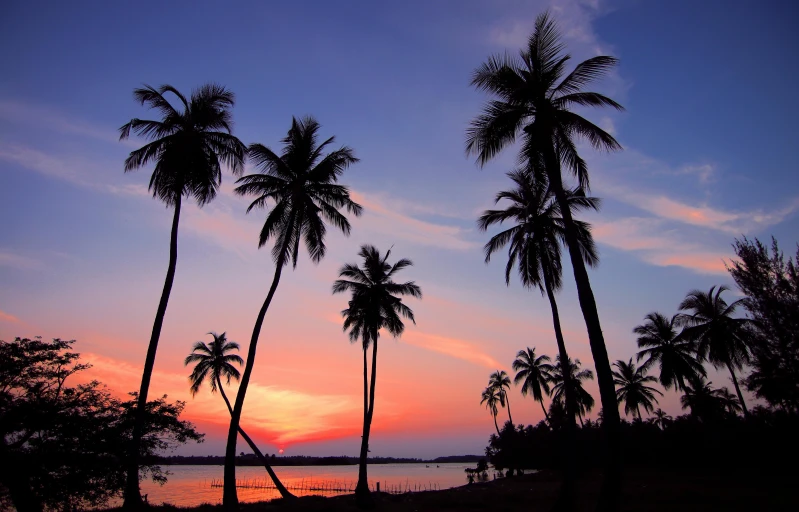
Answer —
(645, 489)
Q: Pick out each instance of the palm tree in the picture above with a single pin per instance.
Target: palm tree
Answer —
(721, 338)
(534, 373)
(661, 344)
(660, 419)
(532, 102)
(702, 399)
(303, 186)
(535, 240)
(212, 362)
(491, 399)
(376, 304)
(728, 400)
(632, 387)
(560, 380)
(499, 380)
(188, 147)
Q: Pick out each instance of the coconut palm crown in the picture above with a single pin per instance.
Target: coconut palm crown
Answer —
(675, 355)
(632, 389)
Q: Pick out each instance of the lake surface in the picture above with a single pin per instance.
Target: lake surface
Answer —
(194, 485)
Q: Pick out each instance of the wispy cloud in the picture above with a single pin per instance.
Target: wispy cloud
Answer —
(8, 317)
(10, 259)
(461, 349)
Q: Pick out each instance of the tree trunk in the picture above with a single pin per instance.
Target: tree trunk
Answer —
(132, 493)
(546, 414)
(230, 499)
(611, 484)
(507, 399)
(285, 493)
(495, 423)
(362, 488)
(738, 391)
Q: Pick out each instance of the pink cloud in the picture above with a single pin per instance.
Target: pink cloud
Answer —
(460, 349)
(7, 317)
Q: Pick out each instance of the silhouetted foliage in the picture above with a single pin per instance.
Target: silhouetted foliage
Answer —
(771, 288)
(575, 376)
(674, 354)
(534, 373)
(64, 446)
(631, 388)
(500, 382)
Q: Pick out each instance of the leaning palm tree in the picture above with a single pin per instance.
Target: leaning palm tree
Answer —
(534, 373)
(189, 147)
(212, 362)
(631, 388)
(302, 186)
(491, 399)
(721, 338)
(662, 344)
(500, 381)
(376, 304)
(574, 377)
(531, 100)
(534, 243)
(660, 419)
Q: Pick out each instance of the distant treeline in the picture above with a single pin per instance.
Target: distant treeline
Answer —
(303, 460)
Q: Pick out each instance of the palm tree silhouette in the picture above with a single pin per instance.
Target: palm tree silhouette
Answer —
(500, 381)
(532, 102)
(585, 402)
(188, 148)
(720, 337)
(660, 419)
(303, 185)
(702, 399)
(661, 344)
(376, 304)
(534, 373)
(631, 387)
(212, 363)
(729, 401)
(491, 399)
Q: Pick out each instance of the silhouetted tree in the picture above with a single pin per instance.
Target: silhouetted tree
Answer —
(702, 399)
(490, 397)
(302, 183)
(500, 381)
(660, 419)
(675, 355)
(376, 304)
(212, 362)
(728, 401)
(188, 148)
(531, 101)
(721, 338)
(632, 389)
(534, 373)
(585, 402)
(771, 288)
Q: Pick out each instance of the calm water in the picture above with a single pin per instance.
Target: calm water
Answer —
(192, 485)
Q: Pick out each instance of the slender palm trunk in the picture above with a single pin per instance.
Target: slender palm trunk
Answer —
(507, 399)
(638, 412)
(362, 487)
(285, 493)
(364, 453)
(546, 414)
(738, 390)
(230, 499)
(132, 494)
(581, 420)
(495, 423)
(611, 484)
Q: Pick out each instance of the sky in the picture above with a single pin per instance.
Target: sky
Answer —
(708, 156)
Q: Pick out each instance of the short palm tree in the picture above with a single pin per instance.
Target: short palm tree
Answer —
(491, 399)
(702, 399)
(376, 304)
(721, 338)
(189, 147)
(534, 241)
(534, 373)
(212, 362)
(662, 344)
(500, 381)
(729, 401)
(660, 419)
(631, 388)
(585, 402)
(302, 186)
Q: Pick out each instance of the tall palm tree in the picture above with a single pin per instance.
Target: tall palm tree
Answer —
(534, 373)
(189, 147)
(721, 338)
(574, 377)
(534, 243)
(660, 419)
(302, 185)
(376, 304)
(491, 399)
(531, 101)
(500, 381)
(212, 362)
(661, 344)
(631, 387)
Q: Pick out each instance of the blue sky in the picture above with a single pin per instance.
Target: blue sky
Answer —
(708, 136)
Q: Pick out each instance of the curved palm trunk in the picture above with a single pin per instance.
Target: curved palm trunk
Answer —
(230, 499)
(738, 390)
(507, 399)
(132, 494)
(611, 484)
(362, 487)
(546, 414)
(496, 426)
(285, 493)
